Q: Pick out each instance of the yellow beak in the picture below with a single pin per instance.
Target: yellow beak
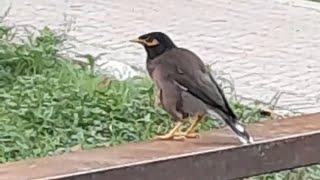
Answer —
(138, 41)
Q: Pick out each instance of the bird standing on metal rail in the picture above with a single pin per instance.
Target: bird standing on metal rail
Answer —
(185, 88)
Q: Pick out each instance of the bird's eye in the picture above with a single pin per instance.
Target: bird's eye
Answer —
(149, 39)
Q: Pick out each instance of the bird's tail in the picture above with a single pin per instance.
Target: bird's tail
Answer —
(236, 127)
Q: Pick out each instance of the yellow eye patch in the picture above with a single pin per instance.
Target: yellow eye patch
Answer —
(154, 42)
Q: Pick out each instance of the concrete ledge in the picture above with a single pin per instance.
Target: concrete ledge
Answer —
(280, 144)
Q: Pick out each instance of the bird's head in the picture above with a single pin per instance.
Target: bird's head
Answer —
(155, 43)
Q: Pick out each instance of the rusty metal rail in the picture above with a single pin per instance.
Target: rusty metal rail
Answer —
(280, 144)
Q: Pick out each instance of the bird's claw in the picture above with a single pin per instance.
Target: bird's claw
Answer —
(193, 135)
(170, 137)
(180, 136)
(188, 135)
(177, 136)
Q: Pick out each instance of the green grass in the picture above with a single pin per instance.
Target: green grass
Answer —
(50, 107)
(304, 173)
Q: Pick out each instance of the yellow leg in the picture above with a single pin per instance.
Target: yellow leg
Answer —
(157, 101)
(190, 132)
(171, 134)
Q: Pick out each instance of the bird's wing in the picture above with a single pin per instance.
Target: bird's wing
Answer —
(188, 72)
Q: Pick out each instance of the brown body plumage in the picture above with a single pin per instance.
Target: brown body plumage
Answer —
(186, 89)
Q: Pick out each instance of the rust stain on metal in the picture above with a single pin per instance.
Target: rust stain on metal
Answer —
(280, 144)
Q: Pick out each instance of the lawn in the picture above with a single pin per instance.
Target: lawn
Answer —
(49, 106)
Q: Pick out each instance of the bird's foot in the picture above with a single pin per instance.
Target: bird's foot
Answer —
(188, 135)
(157, 101)
(170, 137)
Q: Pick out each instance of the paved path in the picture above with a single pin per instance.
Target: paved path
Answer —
(267, 47)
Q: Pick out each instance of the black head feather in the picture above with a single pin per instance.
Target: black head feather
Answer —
(164, 43)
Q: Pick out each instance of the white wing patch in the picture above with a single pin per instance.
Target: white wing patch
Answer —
(239, 127)
(180, 86)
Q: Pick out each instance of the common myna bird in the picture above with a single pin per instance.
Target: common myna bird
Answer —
(186, 89)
